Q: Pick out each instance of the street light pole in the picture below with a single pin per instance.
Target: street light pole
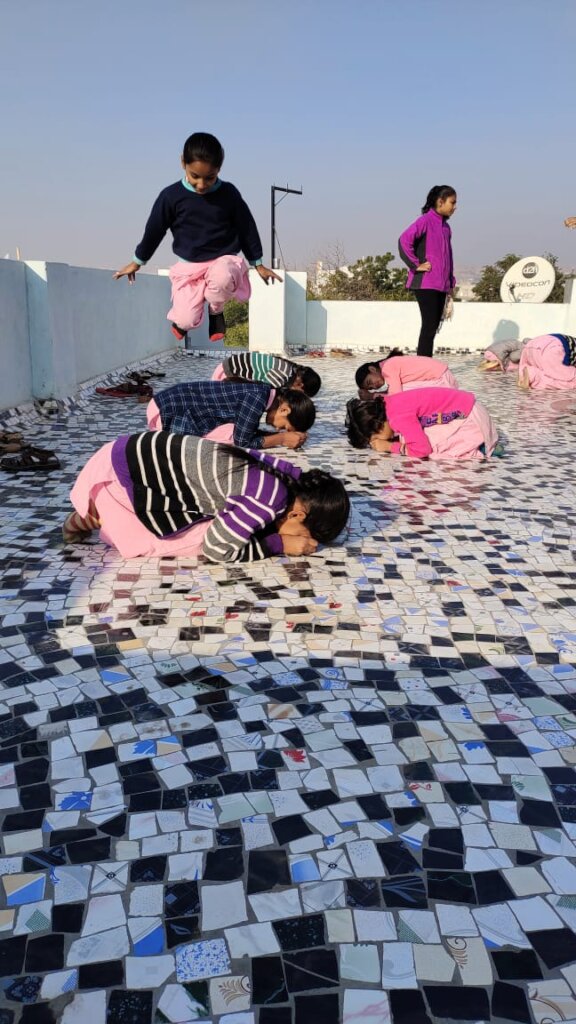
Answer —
(273, 205)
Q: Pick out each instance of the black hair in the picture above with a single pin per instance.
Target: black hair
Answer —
(204, 147)
(325, 498)
(302, 408)
(436, 193)
(363, 419)
(363, 371)
(311, 381)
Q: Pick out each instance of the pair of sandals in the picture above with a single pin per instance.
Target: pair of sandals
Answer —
(136, 385)
(18, 457)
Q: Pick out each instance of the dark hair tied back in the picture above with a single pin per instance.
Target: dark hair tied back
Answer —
(204, 147)
(436, 193)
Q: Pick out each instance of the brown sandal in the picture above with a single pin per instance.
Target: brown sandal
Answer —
(31, 460)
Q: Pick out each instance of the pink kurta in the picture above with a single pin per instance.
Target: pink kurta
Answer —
(404, 373)
(542, 358)
(461, 438)
(121, 527)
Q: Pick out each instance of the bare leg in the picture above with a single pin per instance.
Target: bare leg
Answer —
(524, 379)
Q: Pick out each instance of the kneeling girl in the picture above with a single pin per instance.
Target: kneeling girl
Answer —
(157, 494)
(434, 423)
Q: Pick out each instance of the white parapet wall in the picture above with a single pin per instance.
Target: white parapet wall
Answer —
(62, 325)
(282, 318)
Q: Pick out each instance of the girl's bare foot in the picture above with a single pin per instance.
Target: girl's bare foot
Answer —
(524, 379)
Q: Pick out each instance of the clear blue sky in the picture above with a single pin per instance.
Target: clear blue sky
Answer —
(365, 103)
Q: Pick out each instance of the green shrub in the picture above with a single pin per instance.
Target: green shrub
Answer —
(236, 336)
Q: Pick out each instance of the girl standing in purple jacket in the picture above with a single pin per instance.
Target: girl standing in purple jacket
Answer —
(426, 248)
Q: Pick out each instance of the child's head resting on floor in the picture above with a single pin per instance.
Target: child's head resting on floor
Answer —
(305, 379)
(366, 423)
(318, 506)
(291, 410)
(369, 375)
(202, 158)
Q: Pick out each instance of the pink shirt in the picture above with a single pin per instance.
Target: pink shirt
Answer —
(410, 412)
(401, 370)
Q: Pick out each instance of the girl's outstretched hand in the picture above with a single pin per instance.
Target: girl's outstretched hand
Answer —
(267, 275)
(570, 222)
(129, 271)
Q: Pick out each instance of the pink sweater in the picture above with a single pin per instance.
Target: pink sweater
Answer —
(410, 412)
(401, 370)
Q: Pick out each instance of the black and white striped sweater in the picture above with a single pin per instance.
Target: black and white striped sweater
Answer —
(178, 480)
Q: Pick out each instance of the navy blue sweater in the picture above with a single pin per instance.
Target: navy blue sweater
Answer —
(218, 223)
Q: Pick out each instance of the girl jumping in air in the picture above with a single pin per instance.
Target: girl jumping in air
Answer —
(403, 373)
(269, 369)
(426, 248)
(235, 409)
(434, 423)
(211, 224)
(157, 494)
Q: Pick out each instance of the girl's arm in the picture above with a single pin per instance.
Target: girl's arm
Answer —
(250, 240)
(405, 421)
(250, 410)
(235, 534)
(244, 529)
(390, 370)
(157, 225)
(407, 242)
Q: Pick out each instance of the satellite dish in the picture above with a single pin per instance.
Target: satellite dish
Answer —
(529, 280)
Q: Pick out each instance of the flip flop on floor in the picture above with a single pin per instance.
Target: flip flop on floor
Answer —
(31, 460)
(126, 389)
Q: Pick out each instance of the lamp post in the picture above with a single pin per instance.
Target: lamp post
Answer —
(273, 205)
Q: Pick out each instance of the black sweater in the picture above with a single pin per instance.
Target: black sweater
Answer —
(218, 223)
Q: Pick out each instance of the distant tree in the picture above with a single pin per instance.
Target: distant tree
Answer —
(235, 313)
(488, 287)
(371, 279)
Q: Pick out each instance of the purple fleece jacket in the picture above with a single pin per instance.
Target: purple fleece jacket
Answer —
(428, 238)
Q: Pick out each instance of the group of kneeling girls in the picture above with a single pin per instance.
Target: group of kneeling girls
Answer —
(201, 479)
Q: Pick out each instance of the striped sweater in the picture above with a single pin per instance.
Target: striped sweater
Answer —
(175, 481)
(260, 366)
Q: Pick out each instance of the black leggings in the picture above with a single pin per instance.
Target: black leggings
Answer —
(431, 304)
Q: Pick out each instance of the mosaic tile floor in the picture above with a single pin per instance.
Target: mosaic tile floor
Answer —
(340, 788)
